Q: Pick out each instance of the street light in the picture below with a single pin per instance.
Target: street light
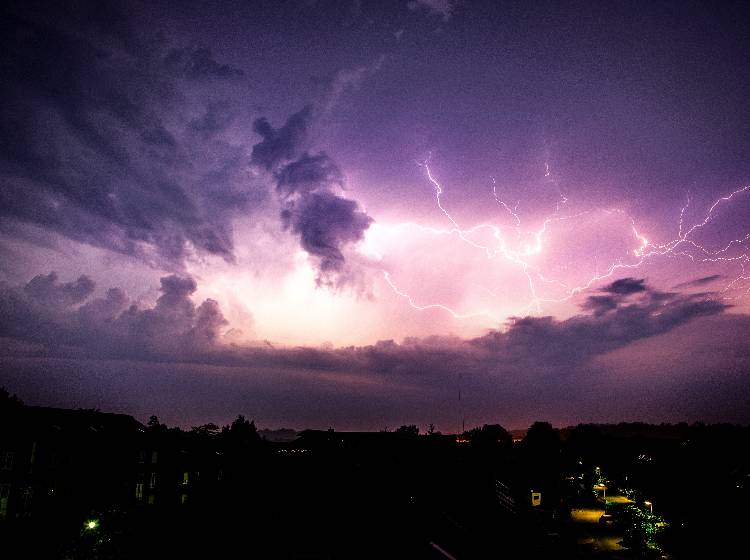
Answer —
(650, 506)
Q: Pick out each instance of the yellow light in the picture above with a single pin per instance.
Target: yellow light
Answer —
(91, 524)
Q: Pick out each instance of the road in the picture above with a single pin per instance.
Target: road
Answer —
(596, 539)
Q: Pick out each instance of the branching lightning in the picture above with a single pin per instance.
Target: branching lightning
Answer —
(455, 315)
(519, 248)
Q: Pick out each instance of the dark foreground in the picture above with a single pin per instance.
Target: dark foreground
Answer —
(84, 484)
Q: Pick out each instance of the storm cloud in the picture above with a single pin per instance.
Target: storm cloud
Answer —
(625, 286)
(98, 138)
(45, 311)
(699, 282)
(64, 319)
(119, 138)
(532, 360)
(283, 143)
(307, 186)
(616, 322)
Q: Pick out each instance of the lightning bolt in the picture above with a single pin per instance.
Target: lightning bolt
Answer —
(526, 244)
(455, 315)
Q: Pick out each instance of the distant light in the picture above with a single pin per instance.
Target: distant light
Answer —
(92, 524)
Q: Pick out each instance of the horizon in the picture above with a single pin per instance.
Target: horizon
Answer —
(392, 429)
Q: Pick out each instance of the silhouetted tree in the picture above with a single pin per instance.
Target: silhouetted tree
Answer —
(7, 400)
(154, 425)
(588, 445)
(242, 431)
(490, 434)
(408, 431)
(542, 437)
(10, 406)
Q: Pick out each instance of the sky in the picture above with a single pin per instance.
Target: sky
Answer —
(363, 214)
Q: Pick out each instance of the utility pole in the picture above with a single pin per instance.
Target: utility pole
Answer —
(461, 406)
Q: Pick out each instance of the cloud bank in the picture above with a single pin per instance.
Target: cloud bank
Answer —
(63, 316)
(64, 320)
(532, 359)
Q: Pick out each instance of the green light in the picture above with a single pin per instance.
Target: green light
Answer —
(91, 525)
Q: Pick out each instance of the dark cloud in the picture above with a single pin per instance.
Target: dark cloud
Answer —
(307, 174)
(699, 282)
(103, 310)
(613, 325)
(46, 290)
(280, 144)
(95, 142)
(42, 311)
(617, 292)
(600, 304)
(174, 328)
(324, 221)
(45, 311)
(625, 286)
(175, 288)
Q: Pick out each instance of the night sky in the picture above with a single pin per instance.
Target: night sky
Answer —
(347, 213)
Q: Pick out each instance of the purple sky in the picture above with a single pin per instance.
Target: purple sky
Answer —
(341, 213)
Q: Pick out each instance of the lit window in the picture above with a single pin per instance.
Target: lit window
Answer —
(154, 457)
(139, 491)
(152, 480)
(151, 499)
(183, 499)
(185, 478)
